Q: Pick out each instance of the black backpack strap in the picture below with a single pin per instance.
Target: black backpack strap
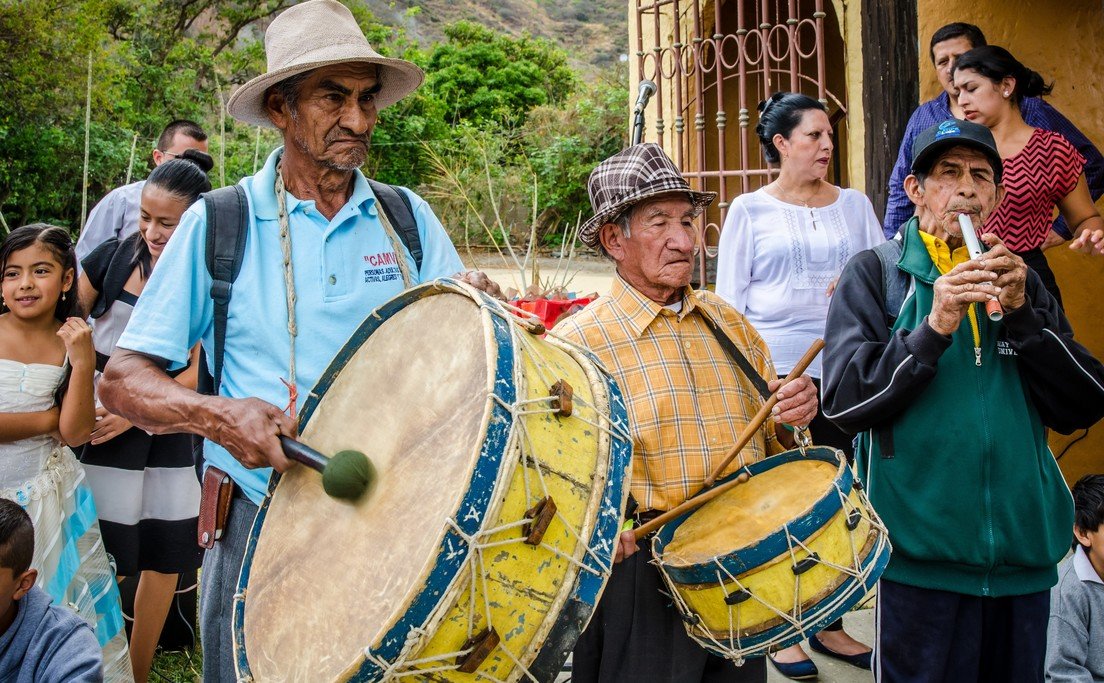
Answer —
(894, 287)
(739, 358)
(396, 204)
(227, 222)
(894, 281)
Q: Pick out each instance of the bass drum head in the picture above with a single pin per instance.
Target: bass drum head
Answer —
(328, 577)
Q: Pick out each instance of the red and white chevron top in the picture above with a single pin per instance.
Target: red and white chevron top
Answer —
(1035, 180)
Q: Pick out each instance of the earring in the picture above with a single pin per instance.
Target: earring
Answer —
(1006, 94)
(63, 296)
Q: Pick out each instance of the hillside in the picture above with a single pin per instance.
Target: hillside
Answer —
(594, 32)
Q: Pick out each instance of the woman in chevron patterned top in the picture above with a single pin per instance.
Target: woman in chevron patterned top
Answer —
(1042, 170)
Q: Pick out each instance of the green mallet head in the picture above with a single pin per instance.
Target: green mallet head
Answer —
(348, 475)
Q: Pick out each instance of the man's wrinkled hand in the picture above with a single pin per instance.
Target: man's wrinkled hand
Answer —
(1010, 269)
(797, 401)
(965, 284)
(479, 280)
(250, 429)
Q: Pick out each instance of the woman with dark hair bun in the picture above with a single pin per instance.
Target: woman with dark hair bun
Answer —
(144, 484)
(1042, 170)
(781, 250)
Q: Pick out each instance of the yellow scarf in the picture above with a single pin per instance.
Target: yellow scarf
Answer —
(944, 260)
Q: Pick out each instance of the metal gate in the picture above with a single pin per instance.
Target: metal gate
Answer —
(713, 62)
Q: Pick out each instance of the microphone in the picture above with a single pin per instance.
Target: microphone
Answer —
(645, 90)
(993, 307)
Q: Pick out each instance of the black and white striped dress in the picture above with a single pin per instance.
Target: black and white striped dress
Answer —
(145, 485)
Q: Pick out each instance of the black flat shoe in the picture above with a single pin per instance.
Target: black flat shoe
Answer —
(861, 661)
(805, 670)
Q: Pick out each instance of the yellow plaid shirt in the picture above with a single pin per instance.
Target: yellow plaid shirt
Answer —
(687, 401)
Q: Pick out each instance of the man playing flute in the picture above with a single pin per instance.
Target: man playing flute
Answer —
(952, 410)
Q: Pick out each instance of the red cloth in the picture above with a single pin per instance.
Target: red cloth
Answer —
(1035, 180)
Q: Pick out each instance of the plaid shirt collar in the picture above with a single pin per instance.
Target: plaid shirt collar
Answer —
(640, 311)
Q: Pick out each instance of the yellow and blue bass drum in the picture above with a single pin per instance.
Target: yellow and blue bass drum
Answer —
(484, 545)
(776, 559)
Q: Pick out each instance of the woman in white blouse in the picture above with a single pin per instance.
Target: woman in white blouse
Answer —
(781, 250)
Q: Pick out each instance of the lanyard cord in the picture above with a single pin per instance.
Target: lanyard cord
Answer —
(289, 278)
(396, 245)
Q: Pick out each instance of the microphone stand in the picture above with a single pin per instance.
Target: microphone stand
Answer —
(647, 89)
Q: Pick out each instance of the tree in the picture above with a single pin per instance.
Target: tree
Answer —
(483, 77)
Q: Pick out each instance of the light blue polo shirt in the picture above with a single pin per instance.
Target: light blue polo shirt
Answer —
(344, 269)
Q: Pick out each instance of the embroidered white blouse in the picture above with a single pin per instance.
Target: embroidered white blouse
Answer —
(776, 261)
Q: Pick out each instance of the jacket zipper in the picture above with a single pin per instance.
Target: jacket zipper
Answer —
(986, 460)
(975, 328)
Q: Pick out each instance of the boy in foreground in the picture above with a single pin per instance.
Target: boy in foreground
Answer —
(1075, 642)
(39, 642)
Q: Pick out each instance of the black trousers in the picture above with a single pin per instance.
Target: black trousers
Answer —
(937, 636)
(636, 635)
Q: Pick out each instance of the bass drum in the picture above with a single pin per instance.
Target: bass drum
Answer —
(482, 548)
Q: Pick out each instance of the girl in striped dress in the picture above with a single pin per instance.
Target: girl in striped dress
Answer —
(145, 485)
(46, 366)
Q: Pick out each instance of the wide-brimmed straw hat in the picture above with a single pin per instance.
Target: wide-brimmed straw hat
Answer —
(311, 35)
(631, 176)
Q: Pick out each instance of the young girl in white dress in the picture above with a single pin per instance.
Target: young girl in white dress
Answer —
(46, 405)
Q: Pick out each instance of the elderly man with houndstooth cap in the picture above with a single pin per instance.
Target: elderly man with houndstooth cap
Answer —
(688, 403)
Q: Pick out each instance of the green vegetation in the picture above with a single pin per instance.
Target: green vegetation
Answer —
(510, 111)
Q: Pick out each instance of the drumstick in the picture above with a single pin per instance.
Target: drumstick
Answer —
(764, 412)
(686, 506)
(993, 307)
(346, 475)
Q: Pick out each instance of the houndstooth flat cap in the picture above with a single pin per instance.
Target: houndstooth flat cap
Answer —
(631, 176)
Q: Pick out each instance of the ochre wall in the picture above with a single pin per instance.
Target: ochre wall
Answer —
(1057, 38)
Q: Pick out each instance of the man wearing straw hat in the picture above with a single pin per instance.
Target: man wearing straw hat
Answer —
(688, 403)
(320, 254)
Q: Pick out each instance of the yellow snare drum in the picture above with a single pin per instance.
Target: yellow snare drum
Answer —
(776, 559)
(481, 550)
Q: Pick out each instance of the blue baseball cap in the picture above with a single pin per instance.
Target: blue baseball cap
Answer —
(928, 145)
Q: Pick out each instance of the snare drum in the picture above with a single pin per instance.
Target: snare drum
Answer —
(776, 559)
(484, 545)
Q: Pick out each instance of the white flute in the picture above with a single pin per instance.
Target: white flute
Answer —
(973, 245)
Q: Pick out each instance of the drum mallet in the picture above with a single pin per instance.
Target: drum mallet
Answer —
(686, 506)
(993, 307)
(764, 412)
(347, 475)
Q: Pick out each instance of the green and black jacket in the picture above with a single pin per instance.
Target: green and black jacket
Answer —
(952, 449)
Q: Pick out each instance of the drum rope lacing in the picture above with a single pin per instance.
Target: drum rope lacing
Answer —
(733, 649)
(520, 441)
